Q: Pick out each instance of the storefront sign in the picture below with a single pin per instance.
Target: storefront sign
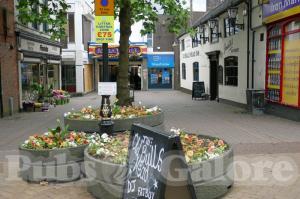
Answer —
(38, 47)
(291, 64)
(160, 61)
(107, 88)
(113, 51)
(104, 29)
(190, 54)
(104, 7)
(280, 9)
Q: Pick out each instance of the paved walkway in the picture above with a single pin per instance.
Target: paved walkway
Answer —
(257, 140)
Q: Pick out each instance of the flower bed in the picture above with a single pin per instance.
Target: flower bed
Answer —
(87, 119)
(201, 152)
(56, 155)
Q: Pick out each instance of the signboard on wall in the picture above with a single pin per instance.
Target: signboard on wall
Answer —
(160, 60)
(104, 7)
(104, 29)
(280, 9)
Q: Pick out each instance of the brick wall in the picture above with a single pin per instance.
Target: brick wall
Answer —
(8, 57)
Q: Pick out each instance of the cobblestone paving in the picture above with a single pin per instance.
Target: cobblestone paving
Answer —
(262, 142)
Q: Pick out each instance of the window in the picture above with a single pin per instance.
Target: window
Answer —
(182, 45)
(71, 27)
(230, 28)
(183, 68)
(231, 71)
(214, 34)
(149, 40)
(203, 34)
(196, 71)
(86, 32)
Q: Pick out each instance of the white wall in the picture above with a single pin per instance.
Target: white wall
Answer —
(239, 42)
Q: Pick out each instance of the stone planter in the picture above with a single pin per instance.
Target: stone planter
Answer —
(92, 126)
(211, 179)
(104, 180)
(51, 165)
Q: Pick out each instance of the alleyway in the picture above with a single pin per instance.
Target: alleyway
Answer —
(254, 138)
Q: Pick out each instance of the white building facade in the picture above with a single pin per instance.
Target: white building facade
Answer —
(77, 71)
(220, 55)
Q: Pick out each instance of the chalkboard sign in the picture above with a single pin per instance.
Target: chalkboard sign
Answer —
(198, 90)
(147, 170)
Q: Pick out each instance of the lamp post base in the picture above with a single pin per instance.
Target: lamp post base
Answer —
(106, 126)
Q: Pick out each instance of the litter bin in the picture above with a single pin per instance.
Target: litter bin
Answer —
(256, 101)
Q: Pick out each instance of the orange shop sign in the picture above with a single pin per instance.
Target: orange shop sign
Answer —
(104, 7)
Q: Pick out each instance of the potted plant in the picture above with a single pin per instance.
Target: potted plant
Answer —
(56, 155)
(109, 155)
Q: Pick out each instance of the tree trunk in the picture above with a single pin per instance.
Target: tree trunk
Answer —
(125, 32)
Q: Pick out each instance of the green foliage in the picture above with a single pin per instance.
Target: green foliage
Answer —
(147, 11)
(51, 12)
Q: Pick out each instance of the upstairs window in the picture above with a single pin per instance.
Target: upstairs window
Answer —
(71, 27)
(182, 45)
(230, 28)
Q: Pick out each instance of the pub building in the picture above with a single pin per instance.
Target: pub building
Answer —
(282, 19)
(39, 60)
(246, 45)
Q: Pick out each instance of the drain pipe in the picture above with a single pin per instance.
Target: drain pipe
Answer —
(253, 59)
(249, 5)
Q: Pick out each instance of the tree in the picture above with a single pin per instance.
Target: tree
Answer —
(132, 11)
(51, 12)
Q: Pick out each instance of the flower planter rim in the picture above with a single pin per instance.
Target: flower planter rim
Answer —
(56, 149)
(144, 116)
(86, 153)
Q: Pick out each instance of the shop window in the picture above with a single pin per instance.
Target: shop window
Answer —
(230, 28)
(183, 69)
(182, 45)
(196, 71)
(71, 27)
(231, 71)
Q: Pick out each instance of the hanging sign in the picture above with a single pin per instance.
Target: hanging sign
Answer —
(104, 7)
(104, 29)
(149, 163)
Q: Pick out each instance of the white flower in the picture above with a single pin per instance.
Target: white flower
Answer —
(90, 106)
(26, 142)
(175, 131)
(104, 136)
(100, 151)
(140, 103)
(131, 116)
(118, 116)
(46, 133)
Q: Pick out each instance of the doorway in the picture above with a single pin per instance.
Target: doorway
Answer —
(213, 74)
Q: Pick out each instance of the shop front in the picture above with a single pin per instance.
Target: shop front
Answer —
(160, 70)
(283, 57)
(39, 64)
(136, 61)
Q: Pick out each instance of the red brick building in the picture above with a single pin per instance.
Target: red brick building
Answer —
(9, 78)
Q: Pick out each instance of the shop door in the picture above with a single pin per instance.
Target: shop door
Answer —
(213, 74)
(213, 79)
(69, 78)
(160, 78)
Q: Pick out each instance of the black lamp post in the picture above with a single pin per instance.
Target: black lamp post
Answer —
(106, 125)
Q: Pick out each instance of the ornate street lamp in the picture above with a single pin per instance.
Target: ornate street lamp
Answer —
(213, 23)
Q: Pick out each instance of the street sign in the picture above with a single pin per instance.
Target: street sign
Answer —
(107, 88)
(104, 29)
(104, 7)
(149, 164)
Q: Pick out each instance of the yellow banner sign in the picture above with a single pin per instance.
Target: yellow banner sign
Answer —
(104, 7)
(291, 64)
(104, 29)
